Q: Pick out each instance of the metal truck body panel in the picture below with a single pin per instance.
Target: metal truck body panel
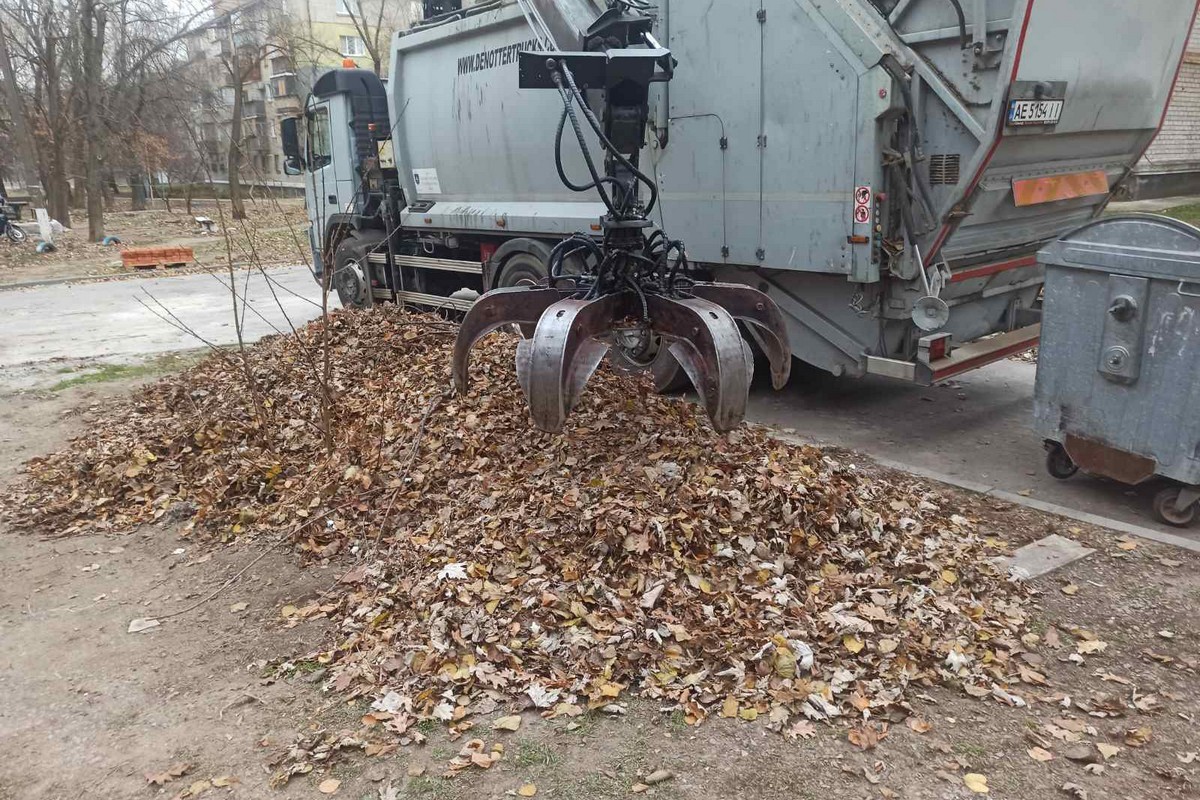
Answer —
(792, 143)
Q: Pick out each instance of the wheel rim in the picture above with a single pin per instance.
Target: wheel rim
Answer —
(351, 283)
(1165, 506)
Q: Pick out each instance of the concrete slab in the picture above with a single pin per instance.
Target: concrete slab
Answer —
(44, 328)
(974, 432)
(1044, 556)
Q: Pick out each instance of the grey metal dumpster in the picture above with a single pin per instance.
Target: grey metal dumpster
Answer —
(1118, 382)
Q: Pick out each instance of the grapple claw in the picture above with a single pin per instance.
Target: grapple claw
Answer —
(520, 305)
(708, 345)
(762, 319)
(563, 354)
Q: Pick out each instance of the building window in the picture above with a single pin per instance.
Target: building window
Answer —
(348, 7)
(353, 46)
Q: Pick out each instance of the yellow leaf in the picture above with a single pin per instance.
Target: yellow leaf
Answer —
(1070, 590)
(1128, 545)
(491, 606)
(852, 643)
(512, 723)
(1107, 750)
(950, 576)
(329, 786)
(729, 708)
(976, 783)
(527, 790)
(288, 611)
(1039, 754)
(749, 714)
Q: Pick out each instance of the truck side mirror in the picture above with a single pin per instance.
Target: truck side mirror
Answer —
(289, 135)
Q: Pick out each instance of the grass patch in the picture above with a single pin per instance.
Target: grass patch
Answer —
(1189, 213)
(107, 373)
(426, 788)
(534, 754)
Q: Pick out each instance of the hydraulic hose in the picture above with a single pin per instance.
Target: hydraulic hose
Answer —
(604, 141)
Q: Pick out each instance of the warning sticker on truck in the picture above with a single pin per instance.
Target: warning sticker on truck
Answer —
(862, 205)
(427, 181)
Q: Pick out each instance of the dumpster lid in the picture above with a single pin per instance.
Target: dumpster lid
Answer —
(1146, 245)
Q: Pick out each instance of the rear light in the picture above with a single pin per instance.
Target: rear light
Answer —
(938, 348)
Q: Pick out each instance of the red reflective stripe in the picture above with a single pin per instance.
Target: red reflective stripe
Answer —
(971, 273)
(983, 359)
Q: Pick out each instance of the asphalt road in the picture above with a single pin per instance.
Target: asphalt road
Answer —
(975, 430)
(47, 328)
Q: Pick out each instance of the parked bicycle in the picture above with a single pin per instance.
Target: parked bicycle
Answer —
(13, 231)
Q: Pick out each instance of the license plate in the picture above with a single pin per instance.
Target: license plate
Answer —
(1035, 112)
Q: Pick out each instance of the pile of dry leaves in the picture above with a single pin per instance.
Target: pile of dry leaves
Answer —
(488, 564)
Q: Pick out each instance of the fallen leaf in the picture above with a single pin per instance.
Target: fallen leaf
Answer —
(1127, 545)
(329, 786)
(1070, 590)
(1039, 754)
(1107, 751)
(803, 729)
(415, 770)
(638, 788)
(138, 625)
(236, 607)
(852, 643)
(1138, 737)
(658, 776)
(867, 736)
(1075, 790)
(1093, 646)
(1187, 758)
(527, 790)
(976, 783)
(511, 723)
(169, 774)
(919, 724)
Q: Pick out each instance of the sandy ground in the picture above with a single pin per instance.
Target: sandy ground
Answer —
(274, 234)
(91, 708)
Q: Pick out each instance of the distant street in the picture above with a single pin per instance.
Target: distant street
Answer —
(72, 324)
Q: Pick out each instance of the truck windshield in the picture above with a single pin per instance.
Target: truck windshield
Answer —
(319, 150)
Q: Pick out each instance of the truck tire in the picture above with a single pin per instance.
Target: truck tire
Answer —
(349, 277)
(668, 376)
(522, 269)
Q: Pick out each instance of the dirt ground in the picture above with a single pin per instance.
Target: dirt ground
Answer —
(88, 709)
(275, 234)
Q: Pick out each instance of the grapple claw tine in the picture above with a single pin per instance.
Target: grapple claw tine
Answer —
(521, 305)
(563, 355)
(706, 342)
(763, 320)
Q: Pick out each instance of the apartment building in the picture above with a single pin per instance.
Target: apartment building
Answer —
(276, 49)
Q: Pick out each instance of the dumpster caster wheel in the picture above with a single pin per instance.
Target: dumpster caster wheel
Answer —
(1059, 464)
(1166, 510)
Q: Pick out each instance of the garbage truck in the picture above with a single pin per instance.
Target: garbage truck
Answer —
(884, 171)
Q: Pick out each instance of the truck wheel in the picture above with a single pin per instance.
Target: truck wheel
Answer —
(652, 356)
(522, 269)
(1165, 510)
(350, 274)
(1058, 463)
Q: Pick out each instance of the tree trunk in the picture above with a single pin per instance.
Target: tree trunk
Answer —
(137, 191)
(58, 198)
(16, 108)
(235, 134)
(93, 18)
